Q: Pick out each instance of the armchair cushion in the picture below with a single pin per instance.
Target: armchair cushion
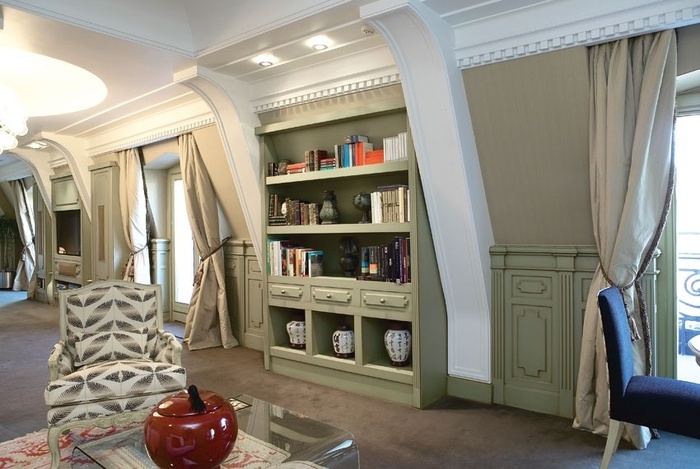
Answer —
(96, 409)
(112, 380)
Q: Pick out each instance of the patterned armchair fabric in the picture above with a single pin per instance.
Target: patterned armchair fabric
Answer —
(113, 359)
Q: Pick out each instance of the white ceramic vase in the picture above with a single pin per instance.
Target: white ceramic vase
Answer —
(397, 340)
(296, 328)
(344, 342)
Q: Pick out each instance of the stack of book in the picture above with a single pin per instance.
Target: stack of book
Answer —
(389, 262)
(285, 259)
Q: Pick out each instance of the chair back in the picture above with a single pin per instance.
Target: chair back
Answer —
(110, 320)
(618, 345)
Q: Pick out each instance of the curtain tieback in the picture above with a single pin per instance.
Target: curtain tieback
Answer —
(200, 270)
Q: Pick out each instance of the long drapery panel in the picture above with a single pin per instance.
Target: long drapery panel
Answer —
(208, 323)
(631, 177)
(132, 198)
(25, 277)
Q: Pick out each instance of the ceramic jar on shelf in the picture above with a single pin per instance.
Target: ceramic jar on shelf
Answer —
(344, 342)
(296, 328)
(397, 340)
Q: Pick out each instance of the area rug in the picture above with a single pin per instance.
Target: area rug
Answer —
(31, 451)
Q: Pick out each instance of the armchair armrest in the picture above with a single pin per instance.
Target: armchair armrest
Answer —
(60, 362)
(168, 349)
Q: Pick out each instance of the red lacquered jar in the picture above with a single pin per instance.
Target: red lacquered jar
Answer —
(191, 430)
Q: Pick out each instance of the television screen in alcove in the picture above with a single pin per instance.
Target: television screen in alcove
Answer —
(68, 232)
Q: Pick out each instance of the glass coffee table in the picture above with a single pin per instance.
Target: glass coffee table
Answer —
(268, 436)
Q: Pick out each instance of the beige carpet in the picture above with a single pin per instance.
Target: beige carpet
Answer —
(453, 434)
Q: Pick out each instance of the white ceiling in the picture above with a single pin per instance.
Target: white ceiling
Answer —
(136, 46)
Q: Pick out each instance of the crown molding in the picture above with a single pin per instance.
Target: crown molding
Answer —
(334, 90)
(610, 27)
(152, 136)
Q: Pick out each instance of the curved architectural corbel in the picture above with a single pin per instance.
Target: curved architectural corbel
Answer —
(229, 102)
(422, 45)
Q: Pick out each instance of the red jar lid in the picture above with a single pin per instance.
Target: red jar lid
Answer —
(178, 405)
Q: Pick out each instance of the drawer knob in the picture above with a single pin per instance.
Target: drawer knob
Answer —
(328, 295)
(283, 291)
(382, 300)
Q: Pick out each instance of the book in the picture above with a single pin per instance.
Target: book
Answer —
(374, 157)
(314, 261)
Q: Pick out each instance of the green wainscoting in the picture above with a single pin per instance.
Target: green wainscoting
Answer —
(537, 309)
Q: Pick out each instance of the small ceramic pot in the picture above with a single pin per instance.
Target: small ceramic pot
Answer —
(344, 342)
(191, 429)
(296, 328)
(397, 340)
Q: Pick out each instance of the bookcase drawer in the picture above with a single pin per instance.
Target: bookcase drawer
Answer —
(286, 292)
(379, 299)
(331, 295)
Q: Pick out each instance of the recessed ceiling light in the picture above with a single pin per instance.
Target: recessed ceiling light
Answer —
(265, 60)
(319, 42)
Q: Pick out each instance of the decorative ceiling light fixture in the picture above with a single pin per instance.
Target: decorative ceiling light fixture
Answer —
(13, 118)
(37, 145)
(319, 42)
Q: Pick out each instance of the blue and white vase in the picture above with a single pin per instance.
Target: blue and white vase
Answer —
(397, 340)
(344, 342)
(296, 328)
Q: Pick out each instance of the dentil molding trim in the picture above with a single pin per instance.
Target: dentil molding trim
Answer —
(152, 136)
(584, 33)
(331, 91)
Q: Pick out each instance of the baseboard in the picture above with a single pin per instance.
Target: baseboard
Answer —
(469, 390)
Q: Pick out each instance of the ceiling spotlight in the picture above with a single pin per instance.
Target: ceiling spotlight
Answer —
(319, 43)
(265, 60)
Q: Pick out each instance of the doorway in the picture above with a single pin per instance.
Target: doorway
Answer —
(687, 234)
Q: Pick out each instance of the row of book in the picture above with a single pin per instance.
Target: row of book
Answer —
(283, 258)
(291, 212)
(357, 150)
(389, 262)
(391, 204)
(396, 147)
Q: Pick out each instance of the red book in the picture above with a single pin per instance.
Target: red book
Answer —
(374, 157)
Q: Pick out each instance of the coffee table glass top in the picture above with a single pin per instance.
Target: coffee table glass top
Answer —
(268, 436)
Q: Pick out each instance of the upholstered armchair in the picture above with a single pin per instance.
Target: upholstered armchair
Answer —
(113, 362)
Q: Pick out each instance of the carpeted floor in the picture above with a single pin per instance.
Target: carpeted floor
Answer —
(452, 434)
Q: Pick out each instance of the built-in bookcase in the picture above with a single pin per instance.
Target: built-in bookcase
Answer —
(333, 300)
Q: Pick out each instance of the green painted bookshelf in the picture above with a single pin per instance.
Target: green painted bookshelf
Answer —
(333, 299)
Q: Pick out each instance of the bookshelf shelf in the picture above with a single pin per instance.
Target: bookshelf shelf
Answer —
(331, 300)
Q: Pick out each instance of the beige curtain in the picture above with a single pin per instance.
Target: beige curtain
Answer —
(631, 176)
(208, 323)
(25, 277)
(132, 199)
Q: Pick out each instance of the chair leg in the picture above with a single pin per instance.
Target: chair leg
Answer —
(614, 435)
(52, 440)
